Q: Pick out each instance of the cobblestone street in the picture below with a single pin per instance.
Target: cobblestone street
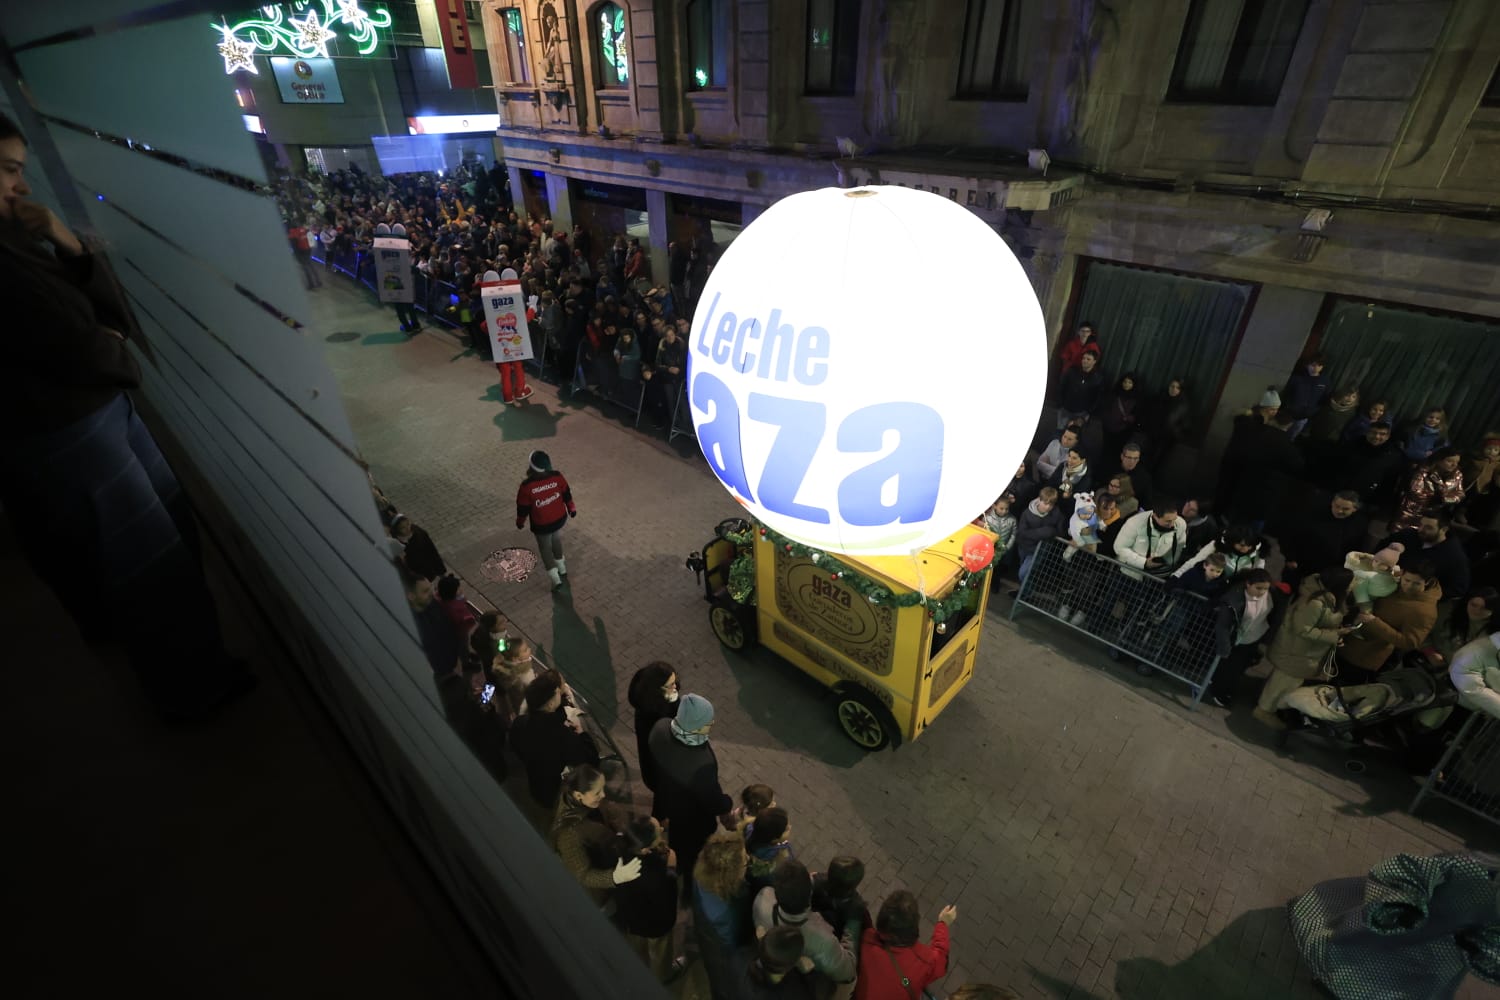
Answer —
(1099, 839)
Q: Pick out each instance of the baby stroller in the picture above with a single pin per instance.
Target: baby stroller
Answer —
(1394, 709)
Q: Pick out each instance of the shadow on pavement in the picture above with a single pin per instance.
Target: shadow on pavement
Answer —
(582, 651)
(793, 708)
(526, 422)
(376, 339)
(1253, 957)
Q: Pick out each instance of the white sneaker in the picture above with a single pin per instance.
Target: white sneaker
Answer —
(562, 567)
(555, 577)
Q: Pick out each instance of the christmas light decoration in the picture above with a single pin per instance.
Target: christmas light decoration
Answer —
(276, 30)
(314, 37)
(237, 54)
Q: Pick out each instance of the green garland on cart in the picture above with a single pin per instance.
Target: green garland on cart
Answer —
(742, 576)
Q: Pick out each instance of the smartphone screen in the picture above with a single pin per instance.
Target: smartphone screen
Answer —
(486, 694)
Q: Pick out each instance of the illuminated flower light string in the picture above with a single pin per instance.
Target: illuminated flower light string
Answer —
(307, 37)
(741, 583)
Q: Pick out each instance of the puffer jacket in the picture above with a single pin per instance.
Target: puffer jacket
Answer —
(581, 840)
(1476, 675)
(1310, 630)
(1402, 623)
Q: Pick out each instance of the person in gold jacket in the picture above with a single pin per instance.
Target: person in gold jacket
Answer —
(1398, 623)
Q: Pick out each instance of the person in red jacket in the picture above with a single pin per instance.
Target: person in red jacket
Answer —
(545, 497)
(1071, 353)
(893, 964)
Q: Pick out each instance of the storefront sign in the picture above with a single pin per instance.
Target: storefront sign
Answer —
(982, 196)
(838, 404)
(307, 81)
(451, 124)
(610, 194)
(458, 50)
(505, 320)
(393, 280)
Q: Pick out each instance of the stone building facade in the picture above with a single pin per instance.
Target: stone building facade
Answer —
(1191, 140)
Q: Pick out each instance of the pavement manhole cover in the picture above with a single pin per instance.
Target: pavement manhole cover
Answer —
(342, 337)
(509, 565)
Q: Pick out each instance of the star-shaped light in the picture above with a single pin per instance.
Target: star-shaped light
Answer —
(314, 36)
(352, 14)
(237, 54)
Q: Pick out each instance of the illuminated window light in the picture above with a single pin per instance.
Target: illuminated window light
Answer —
(307, 38)
(701, 76)
(253, 124)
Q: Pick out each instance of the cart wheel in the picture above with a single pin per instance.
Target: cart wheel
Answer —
(729, 627)
(860, 719)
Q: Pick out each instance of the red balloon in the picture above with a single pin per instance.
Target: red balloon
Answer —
(978, 551)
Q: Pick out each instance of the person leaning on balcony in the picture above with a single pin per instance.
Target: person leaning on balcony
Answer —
(107, 526)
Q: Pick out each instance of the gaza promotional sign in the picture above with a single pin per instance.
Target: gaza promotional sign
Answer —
(505, 320)
(393, 279)
(838, 405)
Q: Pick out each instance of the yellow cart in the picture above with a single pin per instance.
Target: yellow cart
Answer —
(859, 625)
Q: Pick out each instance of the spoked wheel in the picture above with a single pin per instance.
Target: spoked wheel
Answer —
(860, 720)
(729, 627)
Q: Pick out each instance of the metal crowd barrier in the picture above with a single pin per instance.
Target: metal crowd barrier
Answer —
(1468, 775)
(431, 298)
(1141, 616)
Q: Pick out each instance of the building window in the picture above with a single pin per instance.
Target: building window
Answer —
(832, 45)
(1236, 52)
(1491, 96)
(708, 44)
(515, 46)
(611, 46)
(999, 43)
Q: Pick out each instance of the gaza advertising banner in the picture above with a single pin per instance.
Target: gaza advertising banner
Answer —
(393, 281)
(505, 320)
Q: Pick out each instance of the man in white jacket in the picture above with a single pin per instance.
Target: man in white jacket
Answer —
(1476, 675)
(1153, 540)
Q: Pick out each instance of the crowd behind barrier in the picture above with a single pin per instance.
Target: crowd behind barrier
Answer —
(1179, 587)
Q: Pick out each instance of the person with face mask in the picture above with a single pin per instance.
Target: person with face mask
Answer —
(688, 793)
(653, 693)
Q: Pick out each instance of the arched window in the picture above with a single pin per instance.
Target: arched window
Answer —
(708, 37)
(611, 47)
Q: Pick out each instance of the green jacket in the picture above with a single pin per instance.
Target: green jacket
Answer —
(1310, 631)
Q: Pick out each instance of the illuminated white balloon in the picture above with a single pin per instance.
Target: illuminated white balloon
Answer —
(847, 398)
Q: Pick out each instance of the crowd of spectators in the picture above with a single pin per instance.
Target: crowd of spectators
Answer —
(721, 870)
(1388, 532)
(1388, 537)
(598, 319)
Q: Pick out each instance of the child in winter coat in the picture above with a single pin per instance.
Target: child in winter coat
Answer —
(1083, 526)
(1000, 520)
(1375, 576)
(1038, 522)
